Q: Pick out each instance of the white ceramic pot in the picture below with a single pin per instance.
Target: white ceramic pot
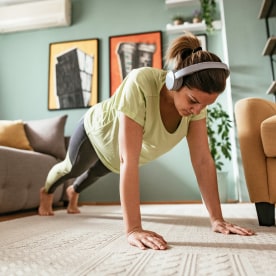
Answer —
(223, 186)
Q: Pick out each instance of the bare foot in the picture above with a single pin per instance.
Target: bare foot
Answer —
(46, 201)
(73, 201)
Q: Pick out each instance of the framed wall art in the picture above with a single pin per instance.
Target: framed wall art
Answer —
(203, 41)
(130, 51)
(73, 74)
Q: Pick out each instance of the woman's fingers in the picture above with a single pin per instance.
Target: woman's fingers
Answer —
(240, 230)
(229, 228)
(157, 236)
(155, 243)
(147, 239)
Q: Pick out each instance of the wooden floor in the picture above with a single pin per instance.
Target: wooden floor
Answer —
(15, 215)
(22, 214)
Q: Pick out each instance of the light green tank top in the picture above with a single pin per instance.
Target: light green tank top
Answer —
(138, 97)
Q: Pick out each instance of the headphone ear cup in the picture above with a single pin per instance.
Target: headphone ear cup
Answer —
(171, 82)
(177, 84)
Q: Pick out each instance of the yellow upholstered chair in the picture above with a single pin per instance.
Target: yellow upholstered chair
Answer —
(256, 128)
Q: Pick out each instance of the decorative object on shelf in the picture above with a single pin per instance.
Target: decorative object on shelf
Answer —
(218, 129)
(196, 16)
(208, 10)
(73, 74)
(178, 20)
(131, 51)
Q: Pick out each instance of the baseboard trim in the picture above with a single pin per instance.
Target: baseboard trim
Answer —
(151, 202)
(142, 203)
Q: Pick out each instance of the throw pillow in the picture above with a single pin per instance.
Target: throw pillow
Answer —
(12, 134)
(47, 135)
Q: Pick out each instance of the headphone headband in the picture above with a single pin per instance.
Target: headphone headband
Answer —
(172, 78)
(198, 67)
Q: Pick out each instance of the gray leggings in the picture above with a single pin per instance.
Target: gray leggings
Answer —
(81, 162)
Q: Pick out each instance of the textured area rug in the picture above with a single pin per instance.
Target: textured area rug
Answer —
(93, 243)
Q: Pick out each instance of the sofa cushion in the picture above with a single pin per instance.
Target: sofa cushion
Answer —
(47, 135)
(268, 134)
(12, 134)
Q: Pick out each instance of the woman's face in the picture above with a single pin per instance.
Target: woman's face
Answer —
(191, 101)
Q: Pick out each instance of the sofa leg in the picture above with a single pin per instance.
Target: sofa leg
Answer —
(265, 213)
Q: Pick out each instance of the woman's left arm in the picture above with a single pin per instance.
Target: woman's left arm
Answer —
(205, 172)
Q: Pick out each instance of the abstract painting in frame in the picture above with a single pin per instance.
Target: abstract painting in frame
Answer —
(130, 51)
(73, 74)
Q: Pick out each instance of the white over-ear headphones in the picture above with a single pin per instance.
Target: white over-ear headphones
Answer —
(174, 78)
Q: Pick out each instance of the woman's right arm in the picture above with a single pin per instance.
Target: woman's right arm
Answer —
(130, 143)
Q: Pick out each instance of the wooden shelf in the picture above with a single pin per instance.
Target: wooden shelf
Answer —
(268, 9)
(179, 3)
(272, 88)
(270, 47)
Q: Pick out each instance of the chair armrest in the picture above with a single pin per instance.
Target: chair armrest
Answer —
(268, 134)
(250, 113)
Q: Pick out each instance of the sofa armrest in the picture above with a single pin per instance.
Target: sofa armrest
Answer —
(23, 173)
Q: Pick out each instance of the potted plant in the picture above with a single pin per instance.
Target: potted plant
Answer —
(208, 11)
(218, 130)
(178, 20)
(196, 16)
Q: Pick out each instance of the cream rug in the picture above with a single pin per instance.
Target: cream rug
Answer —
(93, 243)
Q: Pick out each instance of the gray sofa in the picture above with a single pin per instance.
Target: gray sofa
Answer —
(27, 152)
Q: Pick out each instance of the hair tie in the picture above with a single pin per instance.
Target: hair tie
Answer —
(185, 53)
(197, 49)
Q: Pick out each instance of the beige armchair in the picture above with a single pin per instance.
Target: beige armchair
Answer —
(256, 128)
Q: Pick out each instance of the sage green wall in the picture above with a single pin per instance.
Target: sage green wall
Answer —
(24, 78)
(250, 71)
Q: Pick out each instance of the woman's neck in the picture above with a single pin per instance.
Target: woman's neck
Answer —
(169, 114)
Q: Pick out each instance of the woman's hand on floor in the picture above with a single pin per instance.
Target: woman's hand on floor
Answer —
(224, 227)
(144, 239)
